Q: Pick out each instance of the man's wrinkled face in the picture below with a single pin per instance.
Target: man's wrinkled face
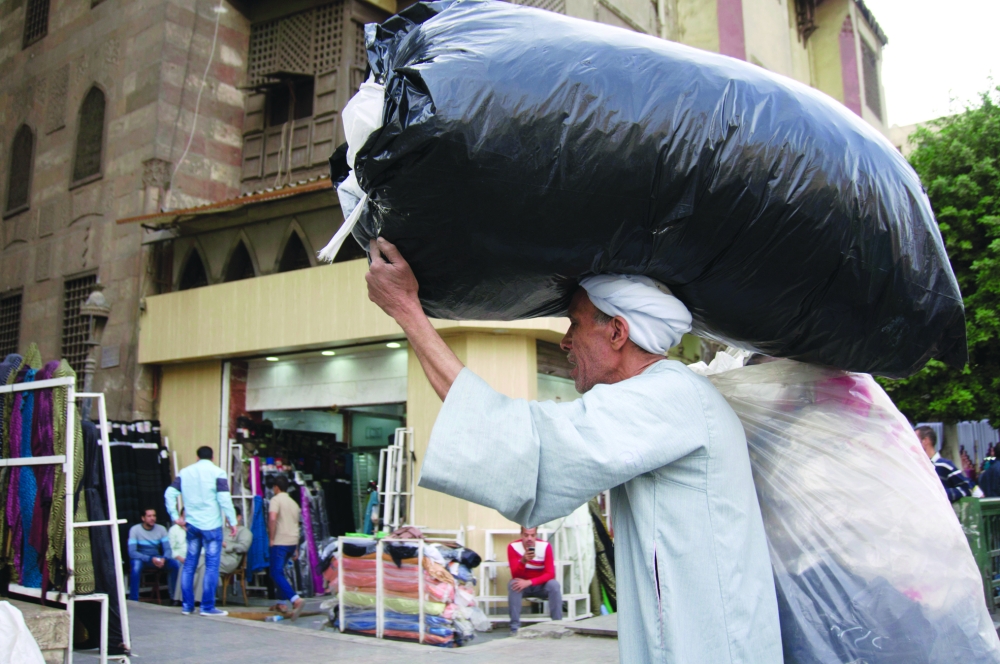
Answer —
(588, 343)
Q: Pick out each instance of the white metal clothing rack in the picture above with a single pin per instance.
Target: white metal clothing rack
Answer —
(396, 476)
(69, 598)
(380, 582)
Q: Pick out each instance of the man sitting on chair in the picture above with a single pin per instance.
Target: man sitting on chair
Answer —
(234, 547)
(149, 548)
(533, 574)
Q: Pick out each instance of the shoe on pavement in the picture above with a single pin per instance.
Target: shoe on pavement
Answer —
(214, 612)
(185, 612)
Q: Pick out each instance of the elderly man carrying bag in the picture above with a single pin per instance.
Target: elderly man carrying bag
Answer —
(694, 576)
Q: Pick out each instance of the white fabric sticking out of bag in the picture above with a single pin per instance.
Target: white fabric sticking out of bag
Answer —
(17, 645)
(362, 116)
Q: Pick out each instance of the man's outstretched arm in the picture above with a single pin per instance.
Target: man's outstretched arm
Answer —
(393, 287)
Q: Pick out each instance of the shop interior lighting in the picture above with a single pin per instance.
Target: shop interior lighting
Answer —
(271, 359)
(393, 344)
(328, 353)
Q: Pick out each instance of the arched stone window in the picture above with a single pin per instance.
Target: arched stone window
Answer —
(193, 275)
(19, 177)
(89, 137)
(294, 257)
(240, 266)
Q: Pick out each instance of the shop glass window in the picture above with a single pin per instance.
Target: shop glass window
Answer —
(240, 266)
(193, 275)
(869, 70)
(89, 137)
(36, 21)
(294, 257)
(75, 327)
(19, 178)
(10, 324)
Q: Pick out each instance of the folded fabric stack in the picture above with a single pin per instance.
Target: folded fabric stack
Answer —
(401, 593)
(451, 616)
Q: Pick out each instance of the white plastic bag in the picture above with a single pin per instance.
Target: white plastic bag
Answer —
(362, 116)
(16, 642)
(870, 562)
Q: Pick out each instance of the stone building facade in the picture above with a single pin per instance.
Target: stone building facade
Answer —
(152, 146)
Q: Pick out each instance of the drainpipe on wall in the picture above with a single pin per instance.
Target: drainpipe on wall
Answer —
(661, 15)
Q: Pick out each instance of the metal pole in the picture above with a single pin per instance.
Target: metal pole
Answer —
(68, 472)
(420, 587)
(387, 494)
(340, 583)
(400, 459)
(116, 545)
(379, 595)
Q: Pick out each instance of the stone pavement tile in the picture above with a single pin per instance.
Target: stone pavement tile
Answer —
(161, 635)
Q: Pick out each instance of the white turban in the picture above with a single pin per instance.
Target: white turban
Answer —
(656, 319)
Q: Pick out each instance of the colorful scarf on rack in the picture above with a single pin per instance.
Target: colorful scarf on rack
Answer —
(8, 374)
(27, 489)
(57, 526)
(307, 526)
(41, 445)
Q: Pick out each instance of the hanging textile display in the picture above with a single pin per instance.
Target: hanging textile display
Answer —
(57, 527)
(33, 425)
(258, 557)
(604, 559)
(315, 578)
(8, 374)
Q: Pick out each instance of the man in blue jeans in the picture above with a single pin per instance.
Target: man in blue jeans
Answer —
(205, 490)
(283, 531)
(149, 548)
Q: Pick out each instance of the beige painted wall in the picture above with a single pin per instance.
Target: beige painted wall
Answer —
(313, 308)
(698, 24)
(824, 45)
(508, 362)
(190, 403)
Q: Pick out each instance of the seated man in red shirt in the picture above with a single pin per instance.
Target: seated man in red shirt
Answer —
(533, 574)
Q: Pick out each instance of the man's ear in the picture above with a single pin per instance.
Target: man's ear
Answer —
(619, 332)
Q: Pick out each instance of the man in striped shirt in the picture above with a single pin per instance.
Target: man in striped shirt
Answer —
(956, 484)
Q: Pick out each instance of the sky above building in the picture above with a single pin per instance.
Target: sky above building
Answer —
(940, 55)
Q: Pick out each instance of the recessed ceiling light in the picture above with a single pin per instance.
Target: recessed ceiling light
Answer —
(393, 344)
(271, 359)
(328, 353)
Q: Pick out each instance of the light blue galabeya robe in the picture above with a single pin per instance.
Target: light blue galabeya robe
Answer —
(693, 575)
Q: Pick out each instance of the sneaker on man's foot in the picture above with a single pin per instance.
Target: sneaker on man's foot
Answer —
(214, 612)
(185, 612)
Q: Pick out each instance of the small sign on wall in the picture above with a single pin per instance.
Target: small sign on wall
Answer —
(110, 356)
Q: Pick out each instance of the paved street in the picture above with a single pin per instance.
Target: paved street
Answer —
(163, 635)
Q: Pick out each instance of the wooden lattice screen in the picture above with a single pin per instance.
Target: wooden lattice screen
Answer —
(307, 44)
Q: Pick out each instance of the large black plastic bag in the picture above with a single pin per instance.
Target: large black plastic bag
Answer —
(522, 150)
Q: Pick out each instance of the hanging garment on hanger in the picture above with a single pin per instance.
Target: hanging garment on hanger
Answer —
(258, 557)
(9, 369)
(41, 445)
(27, 487)
(56, 552)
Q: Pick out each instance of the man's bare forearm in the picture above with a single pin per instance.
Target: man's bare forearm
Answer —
(438, 360)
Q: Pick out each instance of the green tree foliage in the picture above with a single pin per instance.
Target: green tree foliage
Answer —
(958, 160)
